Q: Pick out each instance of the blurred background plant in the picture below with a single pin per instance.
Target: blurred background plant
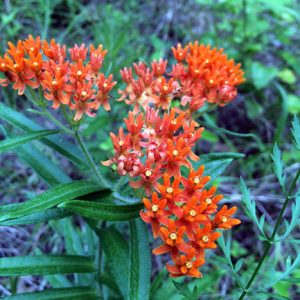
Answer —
(263, 35)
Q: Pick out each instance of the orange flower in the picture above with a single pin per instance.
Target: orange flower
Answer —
(185, 265)
(179, 52)
(155, 213)
(195, 181)
(172, 237)
(205, 237)
(223, 218)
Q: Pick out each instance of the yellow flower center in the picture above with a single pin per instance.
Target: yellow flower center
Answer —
(180, 54)
(154, 208)
(226, 82)
(224, 219)
(165, 88)
(83, 93)
(196, 180)
(189, 264)
(174, 122)
(54, 82)
(173, 236)
(193, 212)
(105, 85)
(16, 66)
(205, 239)
(31, 49)
(208, 201)
(170, 190)
(3, 65)
(197, 71)
(207, 61)
(79, 72)
(175, 152)
(121, 143)
(35, 64)
(148, 173)
(211, 81)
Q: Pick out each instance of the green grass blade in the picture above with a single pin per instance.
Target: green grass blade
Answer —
(11, 143)
(51, 198)
(103, 211)
(74, 293)
(45, 265)
(140, 261)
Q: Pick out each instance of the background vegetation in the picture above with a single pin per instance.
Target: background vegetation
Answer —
(264, 36)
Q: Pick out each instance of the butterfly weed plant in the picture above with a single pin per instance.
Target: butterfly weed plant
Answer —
(153, 154)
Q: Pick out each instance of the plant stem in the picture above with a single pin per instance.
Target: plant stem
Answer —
(271, 240)
(87, 154)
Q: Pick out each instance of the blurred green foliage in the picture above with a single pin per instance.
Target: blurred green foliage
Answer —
(263, 35)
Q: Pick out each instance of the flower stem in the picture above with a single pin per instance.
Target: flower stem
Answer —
(271, 240)
(87, 154)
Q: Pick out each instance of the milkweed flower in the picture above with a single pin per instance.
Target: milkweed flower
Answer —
(157, 152)
(76, 82)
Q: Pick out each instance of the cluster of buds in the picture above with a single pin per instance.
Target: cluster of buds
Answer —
(154, 154)
(200, 75)
(76, 82)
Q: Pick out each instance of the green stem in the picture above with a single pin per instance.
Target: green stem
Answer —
(87, 154)
(271, 240)
(40, 102)
(55, 121)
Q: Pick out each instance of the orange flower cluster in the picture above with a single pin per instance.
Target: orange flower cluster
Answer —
(77, 82)
(181, 211)
(200, 75)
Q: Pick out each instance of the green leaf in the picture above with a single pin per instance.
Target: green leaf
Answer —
(262, 75)
(58, 142)
(216, 167)
(38, 217)
(293, 104)
(11, 143)
(45, 264)
(140, 261)
(296, 132)
(292, 280)
(287, 76)
(278, 165)
(74, 293)
(51, 198)
(45, 168)
(103, 211)
(116, 257)
(221, 155)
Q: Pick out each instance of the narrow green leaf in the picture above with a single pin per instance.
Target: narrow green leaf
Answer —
(140, 261)
(116, 253)
(45, 168)
(296, 132)
(74, 293)
(58, 142)
(38, 217)
(103, 211)
(45, 264)
(51, 198)
(292, 280)
(278, 165)
(11, 143)
(221, 155)
(216, 167)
